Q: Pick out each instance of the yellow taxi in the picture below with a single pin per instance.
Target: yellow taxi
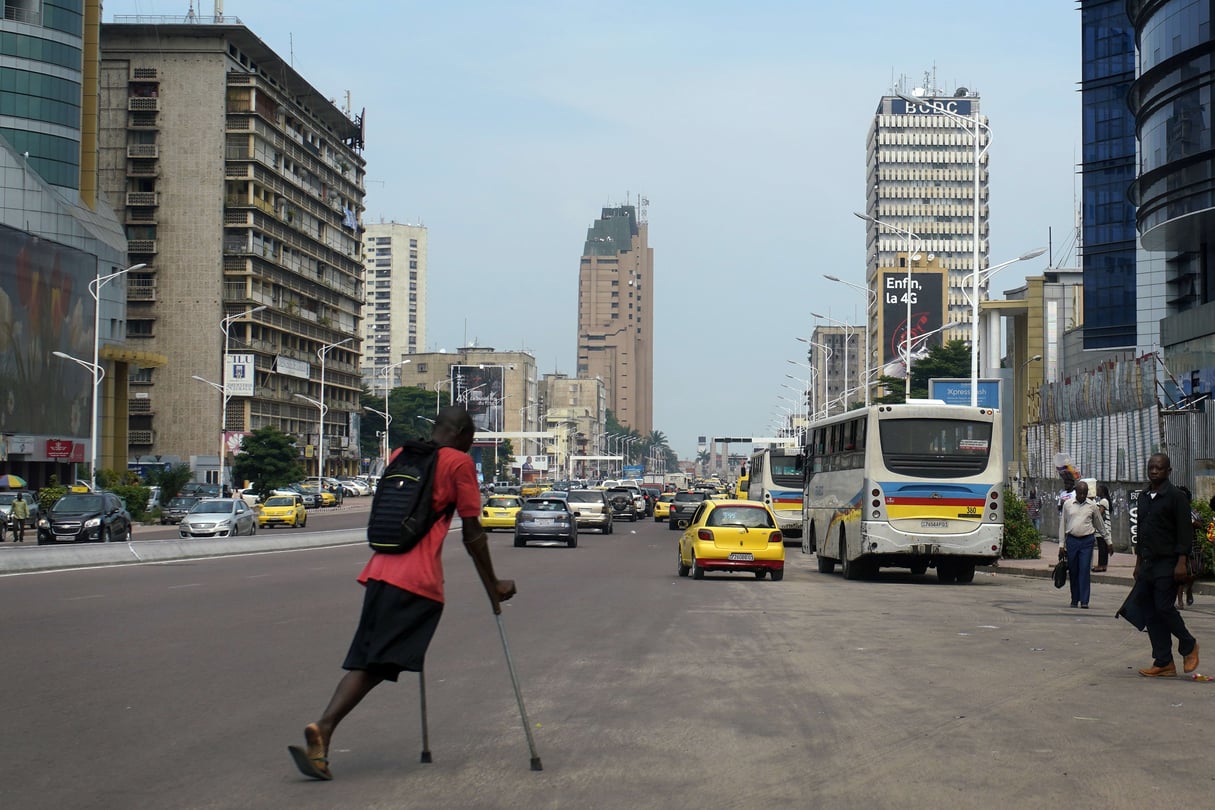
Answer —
(662, 507)
(732, 535)
(500, 511)
(282, 510)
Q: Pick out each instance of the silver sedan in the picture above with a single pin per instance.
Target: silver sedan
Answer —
(546, 519)
(218, 517)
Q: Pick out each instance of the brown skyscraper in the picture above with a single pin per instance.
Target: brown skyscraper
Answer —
(615, 315)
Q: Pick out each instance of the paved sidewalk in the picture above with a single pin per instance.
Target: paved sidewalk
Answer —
(1119, 571)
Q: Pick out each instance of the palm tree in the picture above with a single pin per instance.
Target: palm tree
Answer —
(703, 458)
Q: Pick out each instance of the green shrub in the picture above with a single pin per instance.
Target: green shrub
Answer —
(135, 496)
(1021, 539)
(1203, 534)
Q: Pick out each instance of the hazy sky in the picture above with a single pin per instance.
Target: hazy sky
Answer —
(505, 127)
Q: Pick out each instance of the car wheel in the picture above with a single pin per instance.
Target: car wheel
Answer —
(572, 542)
(519, 542)
(671, 525)
(682, 570)
(253, 529)
(760, 574)
(778, 574)
(106, 536)
(304, 522)
(697, 571)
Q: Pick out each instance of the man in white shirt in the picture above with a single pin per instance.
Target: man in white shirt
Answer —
(1082, 524)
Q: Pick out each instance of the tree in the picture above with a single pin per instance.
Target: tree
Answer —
(951, 360)
(499, 467)
(268, 458)
(171, 480)
(412, 410)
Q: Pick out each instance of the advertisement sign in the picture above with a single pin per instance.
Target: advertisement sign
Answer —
(957, 392)
(927, 295)
(292, 367)
(529, 463)
(479, 389)
(238, 375)
(930, 106)
(633, 471)
(58, 448)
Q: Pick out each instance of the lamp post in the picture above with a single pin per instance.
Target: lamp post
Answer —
(871, 300)
(225, 325)
(320, 406)
(437, 384)
(813, 378)
(98, 374)
(95, 286)
(387, 418)
(320, 445)
(383, 444)
(823, 379)
(849, 331)
(222, 445)
(911, 257)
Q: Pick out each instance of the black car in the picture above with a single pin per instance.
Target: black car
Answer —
(90, 517)
(684, 506)
(621, 501)
(177, 508)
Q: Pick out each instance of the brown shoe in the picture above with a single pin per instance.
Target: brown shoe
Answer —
(1169, 670)
(1190, 662)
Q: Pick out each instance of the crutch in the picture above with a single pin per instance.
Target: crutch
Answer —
(425, 730)
(514, 679)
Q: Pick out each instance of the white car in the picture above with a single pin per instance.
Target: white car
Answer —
(355, 486)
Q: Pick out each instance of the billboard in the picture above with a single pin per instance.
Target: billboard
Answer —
(927, 296)
(238, 375)
(479, 389)
(45, 307)
(957, 392)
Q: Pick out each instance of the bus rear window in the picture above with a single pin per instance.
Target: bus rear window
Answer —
(935, 448)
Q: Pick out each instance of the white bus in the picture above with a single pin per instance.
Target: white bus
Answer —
(905, 486)
(774, 476)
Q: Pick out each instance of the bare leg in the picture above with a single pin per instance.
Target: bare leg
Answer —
(353, 687)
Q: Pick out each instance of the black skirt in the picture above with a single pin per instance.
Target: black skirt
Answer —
(394, 631)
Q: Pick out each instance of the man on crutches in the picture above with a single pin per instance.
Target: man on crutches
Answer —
(403, 597)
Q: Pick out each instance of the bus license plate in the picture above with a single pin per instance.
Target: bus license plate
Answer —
(934, 524)
(742, 555)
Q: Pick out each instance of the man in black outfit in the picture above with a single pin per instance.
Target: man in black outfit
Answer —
(1164, 539)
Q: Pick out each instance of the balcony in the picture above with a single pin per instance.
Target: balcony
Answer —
(143, 168)
(141, 246)
(145, 74)
(141, 289)
(139, 406)
(143, 104)
(140, 437)
(143, 150)
(142, 198)
(140, 216)
(143, 120)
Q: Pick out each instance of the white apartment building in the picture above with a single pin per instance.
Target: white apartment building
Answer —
(920, 168)
(394, 313)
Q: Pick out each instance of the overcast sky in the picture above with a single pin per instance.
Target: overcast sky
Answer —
(505, 127)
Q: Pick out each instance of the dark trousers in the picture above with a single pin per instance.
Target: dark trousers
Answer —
(1164, 621)
(1079, 567)
(1103, 552)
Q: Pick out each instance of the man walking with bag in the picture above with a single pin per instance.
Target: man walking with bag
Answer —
(1164, 537)
(1081, 525)
(403, 597)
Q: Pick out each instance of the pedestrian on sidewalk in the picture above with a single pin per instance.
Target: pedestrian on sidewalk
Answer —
(1164, 538)
(1082, 525)
(1194, 558)
(1034, 507)
(403, 596)
(1105, 543)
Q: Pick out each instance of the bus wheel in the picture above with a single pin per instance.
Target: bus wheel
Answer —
(919, 568)
(825, 564)
(965, 572)
(850, 569)
(946, 572)
(808, 540)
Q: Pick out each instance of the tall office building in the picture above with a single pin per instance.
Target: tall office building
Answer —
(394, 316)
(616, 314)
(57, 236)
(1107, 171)
(920, 178)
(241, 187)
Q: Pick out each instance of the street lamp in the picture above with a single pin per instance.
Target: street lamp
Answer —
(825, 379)
(98, 372)
(978, 280)
(849, 331)
(437, 384)
(320, 406)
(388, 419)
(911, 257)
(225, 324)
(871, 296)
(384, 444)
(320, 445)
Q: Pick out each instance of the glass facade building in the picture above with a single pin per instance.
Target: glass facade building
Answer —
(1107, 171)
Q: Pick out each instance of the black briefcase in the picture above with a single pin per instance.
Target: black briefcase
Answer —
(1060, 573)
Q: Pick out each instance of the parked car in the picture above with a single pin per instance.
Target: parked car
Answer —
(356, 486)
(499, 512)
(85, 517)
(282, 510)
(6, 508)
(248, 495)
(200, 490)
(176, 508)
(311, 500)
(594, 511)
(684, 506)
(218, 517)
(546, 519)
(732, 535)
(153, 499)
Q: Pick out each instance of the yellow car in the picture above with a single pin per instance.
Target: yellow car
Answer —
(499, 512)
(282, 510)
(662, 507)
(732, 535)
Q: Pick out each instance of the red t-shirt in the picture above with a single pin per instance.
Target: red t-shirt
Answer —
(420, 570)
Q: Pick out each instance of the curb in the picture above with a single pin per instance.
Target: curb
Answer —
(1204, 587)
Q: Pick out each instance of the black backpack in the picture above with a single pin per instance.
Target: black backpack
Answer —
(402, 511)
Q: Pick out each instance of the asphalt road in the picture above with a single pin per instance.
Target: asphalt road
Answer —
(180, 685)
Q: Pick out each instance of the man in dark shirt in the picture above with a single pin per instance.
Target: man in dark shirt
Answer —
(1164, 538)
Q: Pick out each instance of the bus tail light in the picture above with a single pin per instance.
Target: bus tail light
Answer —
(704, 534)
